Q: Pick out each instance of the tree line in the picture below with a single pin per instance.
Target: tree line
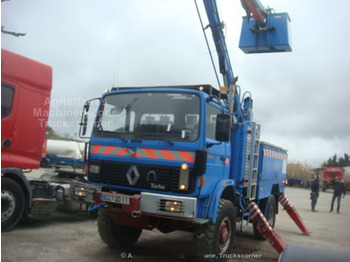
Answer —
(336, 161)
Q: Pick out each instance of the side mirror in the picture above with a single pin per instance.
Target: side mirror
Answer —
(223, 127)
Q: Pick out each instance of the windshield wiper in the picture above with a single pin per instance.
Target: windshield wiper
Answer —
(166, 140)
(114, 134)
(152, 137)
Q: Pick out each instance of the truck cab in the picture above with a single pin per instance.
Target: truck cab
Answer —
(159, 141)
(25, 101)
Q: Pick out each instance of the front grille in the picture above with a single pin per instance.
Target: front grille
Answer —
(159, 178)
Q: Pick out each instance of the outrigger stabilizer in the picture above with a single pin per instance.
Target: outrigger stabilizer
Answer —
(266, 230)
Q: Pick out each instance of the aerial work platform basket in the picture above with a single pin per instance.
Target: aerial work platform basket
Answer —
(274, 38)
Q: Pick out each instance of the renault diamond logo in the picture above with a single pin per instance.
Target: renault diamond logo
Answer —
(132, 179)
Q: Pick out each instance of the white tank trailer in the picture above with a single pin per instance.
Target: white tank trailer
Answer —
(62, 148)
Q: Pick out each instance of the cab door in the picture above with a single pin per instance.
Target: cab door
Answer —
(218, 157)
(8, 119)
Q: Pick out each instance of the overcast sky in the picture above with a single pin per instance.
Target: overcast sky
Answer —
(301, 98)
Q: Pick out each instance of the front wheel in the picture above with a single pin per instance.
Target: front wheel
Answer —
(214, 240)
(270, 216)
(116, 236)
(12, 203)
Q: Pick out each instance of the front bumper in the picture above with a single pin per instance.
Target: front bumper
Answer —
(151, 204)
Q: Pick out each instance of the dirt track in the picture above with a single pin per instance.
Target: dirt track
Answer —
(73, 237)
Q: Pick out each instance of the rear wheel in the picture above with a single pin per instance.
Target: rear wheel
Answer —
(270, 216)
(12, 203)
(116, 236)
(214, 239)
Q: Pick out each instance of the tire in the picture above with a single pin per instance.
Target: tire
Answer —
(116, 236)
(214, 239)
(44, 163)
(270, 216)
(12, 203)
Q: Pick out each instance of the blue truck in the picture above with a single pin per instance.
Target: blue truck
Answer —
(183, 158)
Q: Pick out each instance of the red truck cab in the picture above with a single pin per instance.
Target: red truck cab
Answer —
(25, 100)
(329, 174)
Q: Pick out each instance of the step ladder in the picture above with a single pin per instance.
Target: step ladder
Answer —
(252, 160)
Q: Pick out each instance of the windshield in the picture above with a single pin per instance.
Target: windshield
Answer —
(153, 116)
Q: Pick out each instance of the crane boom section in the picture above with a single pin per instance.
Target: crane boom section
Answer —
(216, 27)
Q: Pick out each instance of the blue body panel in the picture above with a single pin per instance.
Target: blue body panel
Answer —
(239, 146)
(272, 170)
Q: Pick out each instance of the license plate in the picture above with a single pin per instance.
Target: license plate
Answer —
(114, 198)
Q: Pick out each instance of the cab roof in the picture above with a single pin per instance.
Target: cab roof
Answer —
(17, 67)
(210, 90)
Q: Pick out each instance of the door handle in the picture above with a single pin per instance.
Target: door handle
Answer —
(6, 143)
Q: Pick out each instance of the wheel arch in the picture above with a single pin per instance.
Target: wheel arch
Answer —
(225, 189)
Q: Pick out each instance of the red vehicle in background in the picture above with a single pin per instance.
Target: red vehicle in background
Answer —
(25, 99)
(329, 174)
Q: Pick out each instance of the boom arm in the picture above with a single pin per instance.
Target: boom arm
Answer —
(258, 11)
(216, 26)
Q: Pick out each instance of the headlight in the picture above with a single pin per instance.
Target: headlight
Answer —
(171, 206)
(79, 191)
(184, 175)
